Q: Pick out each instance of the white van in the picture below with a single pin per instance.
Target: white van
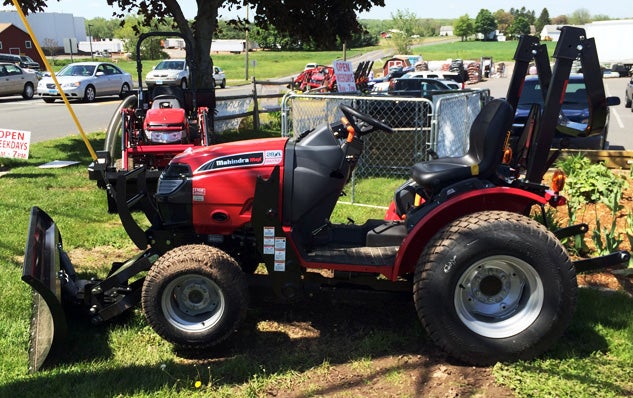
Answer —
(436, 74)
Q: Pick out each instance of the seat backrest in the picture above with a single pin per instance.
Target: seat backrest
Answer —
(166, 101)
(487, 135)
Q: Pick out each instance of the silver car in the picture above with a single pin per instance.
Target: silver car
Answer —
(169, 72)
(17, 81)
(218, 77)
(86, 81)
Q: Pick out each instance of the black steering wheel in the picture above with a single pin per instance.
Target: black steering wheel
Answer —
(369, 124)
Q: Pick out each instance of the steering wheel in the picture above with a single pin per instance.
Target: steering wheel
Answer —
(369, 125)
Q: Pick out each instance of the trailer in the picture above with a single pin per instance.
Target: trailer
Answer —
(609, 36)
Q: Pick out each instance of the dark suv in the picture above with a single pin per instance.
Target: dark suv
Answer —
(22, 61)
(574, 130)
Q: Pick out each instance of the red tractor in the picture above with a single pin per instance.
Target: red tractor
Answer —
(489, 283)
(148, 129)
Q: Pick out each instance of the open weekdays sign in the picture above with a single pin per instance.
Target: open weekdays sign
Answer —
(344, 76)
(14, 143)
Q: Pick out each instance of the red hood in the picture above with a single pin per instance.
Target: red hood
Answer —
(248, 153)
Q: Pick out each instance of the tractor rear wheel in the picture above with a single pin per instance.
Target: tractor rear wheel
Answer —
(195, 296)
(494, 286)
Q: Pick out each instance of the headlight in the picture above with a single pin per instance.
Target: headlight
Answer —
(71, 85)
(165, 137)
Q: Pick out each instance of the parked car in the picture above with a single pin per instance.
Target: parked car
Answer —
(28, 62)
(443, 75)
(628, 95)
(22, 61)
(609, 73)
(86, 81)
(17, 81)
(575, 114)
(169, 72)
(218, 77)
(405, 113)
(419, 87)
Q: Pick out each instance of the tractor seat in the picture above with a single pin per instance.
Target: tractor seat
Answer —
(166, 101)
(487, 137)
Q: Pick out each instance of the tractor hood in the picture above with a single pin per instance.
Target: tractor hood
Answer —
(240, 154)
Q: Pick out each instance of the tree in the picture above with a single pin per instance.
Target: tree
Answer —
(542, 20)
(580, 17)
(504, 19)
(560, 20)
(485, 24)
(304, 20)
(464, 27)
(404, 22)
(520, 26)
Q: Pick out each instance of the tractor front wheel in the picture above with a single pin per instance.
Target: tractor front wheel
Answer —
(195, 296)
(494, 286)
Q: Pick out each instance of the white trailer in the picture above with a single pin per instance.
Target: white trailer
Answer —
(612, 43)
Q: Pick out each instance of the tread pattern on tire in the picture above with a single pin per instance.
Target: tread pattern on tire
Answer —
(191, 258)
(427, 268)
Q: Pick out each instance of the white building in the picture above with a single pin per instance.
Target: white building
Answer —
(52, 27)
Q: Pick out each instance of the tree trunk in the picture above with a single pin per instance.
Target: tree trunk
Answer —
(200, 35)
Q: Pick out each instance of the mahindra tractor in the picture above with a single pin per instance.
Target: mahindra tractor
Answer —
(489, 282)
(148, 129)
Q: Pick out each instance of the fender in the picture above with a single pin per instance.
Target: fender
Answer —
(498, 198)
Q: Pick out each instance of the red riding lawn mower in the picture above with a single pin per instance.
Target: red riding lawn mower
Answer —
(150, 128)
(489, 282)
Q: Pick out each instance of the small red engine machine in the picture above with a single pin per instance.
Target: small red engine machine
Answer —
(148, 129)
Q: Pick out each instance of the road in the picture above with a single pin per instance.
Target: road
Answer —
(48, 121)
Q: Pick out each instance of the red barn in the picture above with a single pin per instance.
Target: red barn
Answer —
(14, 40)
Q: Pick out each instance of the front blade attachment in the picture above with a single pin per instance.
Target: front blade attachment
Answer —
(42, 271)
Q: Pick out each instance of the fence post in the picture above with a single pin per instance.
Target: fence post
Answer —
(255, 106)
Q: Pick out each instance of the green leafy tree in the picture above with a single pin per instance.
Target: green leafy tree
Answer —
(504, 19)
(464, 27)
(102, 28)
(560, 20)
(580, 17)
(129, 29)
(485, 24)
(520, 26)
(324, 22)
(542, 20)
(405, 23)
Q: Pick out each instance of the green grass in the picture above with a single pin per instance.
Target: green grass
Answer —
(473, 50)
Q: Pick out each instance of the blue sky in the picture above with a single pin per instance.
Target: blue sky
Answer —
(428, 9)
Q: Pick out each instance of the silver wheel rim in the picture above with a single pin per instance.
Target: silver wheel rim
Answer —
(193, 303)
(28, 90)
(90, 94)
(499, 296)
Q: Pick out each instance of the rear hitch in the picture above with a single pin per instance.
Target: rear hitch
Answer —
(618, 258)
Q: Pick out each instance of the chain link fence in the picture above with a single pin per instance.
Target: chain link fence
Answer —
(421, 126)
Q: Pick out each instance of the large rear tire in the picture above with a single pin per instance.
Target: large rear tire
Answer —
(195, 296)
(494, 286)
